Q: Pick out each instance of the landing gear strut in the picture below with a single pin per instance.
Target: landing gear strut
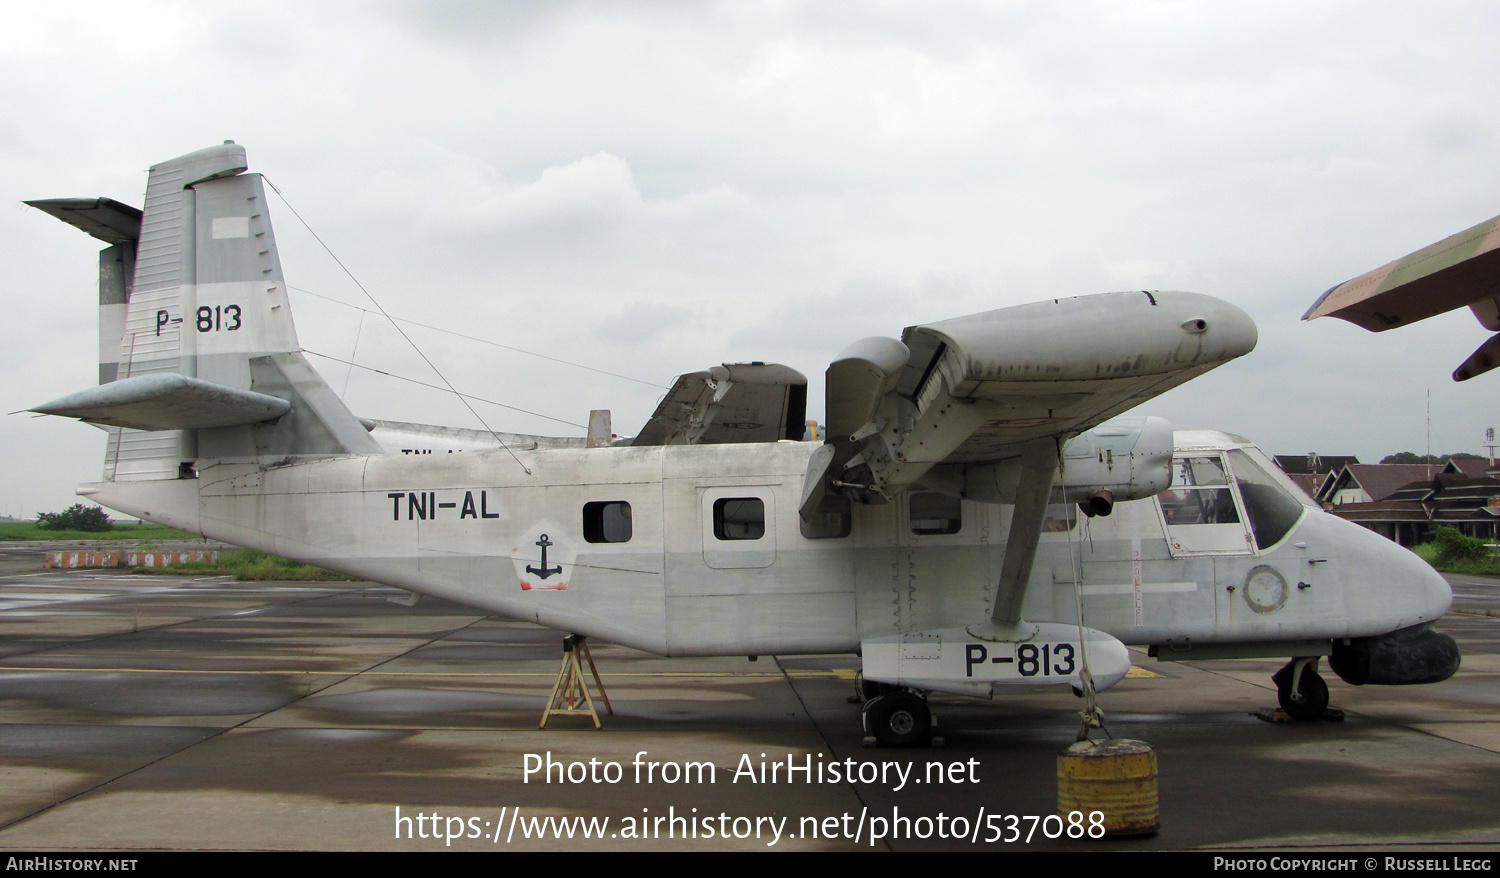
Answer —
(1302, 693)
(898, 718)
(864, 690)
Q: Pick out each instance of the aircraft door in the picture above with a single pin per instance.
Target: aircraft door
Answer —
(939, 566)
(739, 527)
(1200, 511)
(1266, 591)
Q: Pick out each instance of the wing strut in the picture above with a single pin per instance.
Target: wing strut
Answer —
(1033, 490)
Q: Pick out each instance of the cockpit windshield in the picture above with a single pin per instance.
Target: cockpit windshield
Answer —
(1272, 508)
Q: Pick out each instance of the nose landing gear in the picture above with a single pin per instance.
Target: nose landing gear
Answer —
(1302, 693)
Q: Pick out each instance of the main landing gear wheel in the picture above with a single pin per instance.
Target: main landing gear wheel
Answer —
(1310, 699)
(898, 719)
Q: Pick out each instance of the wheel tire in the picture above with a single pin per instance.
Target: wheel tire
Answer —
(1314, 696)
(898, 719)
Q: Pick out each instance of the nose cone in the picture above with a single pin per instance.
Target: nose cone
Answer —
(1435, 594)
(1426, 592)
(1388, 586)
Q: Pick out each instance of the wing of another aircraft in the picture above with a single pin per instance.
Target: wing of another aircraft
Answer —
(735, 402)
(1461, 269)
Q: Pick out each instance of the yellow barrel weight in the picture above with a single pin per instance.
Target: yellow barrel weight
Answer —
(1116, 777)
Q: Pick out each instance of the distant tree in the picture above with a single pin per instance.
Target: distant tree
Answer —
(1412, 457)
(90, 519)
(1456, 548)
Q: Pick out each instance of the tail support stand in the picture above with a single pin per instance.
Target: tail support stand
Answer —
(572, 689)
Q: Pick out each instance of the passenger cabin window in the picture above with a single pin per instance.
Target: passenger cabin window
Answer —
(1061, 518)
(931, 513)
(739, 518)
(607, 521)
(833, 519)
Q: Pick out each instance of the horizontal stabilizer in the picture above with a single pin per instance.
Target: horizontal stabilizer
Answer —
(104, 218)
(1461, 269)
(166, 401)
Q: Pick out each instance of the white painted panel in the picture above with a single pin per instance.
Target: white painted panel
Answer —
(231, 227)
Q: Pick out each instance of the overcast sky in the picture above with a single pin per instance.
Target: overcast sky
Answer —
(653, 188)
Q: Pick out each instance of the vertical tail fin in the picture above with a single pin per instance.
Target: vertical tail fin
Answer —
(206, 332)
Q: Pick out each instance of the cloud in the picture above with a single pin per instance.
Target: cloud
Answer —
(773, 180)
(824, 324)
(640, 323)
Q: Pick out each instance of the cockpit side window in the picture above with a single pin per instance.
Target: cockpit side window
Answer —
(1272, 510)
(1199, 471)
(1199, 510)
(1199, 493)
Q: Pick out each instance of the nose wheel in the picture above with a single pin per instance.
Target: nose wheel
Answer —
(1302, 693)
(898, 719)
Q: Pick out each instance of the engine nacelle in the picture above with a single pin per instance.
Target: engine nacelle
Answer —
(1127, 458)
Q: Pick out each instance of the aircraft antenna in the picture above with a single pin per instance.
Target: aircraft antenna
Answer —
(353, 365)
(353, 354)
(486, 341)
(381, 308)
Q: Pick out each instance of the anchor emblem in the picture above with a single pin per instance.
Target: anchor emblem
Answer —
(545, 571)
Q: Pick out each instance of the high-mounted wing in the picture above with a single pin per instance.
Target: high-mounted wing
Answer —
(977, 390)
(1461, 269)
(982, 406)
(735, 402)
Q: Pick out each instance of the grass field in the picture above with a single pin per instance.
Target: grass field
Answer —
(27, 530)
(1429, 552)
(248, 565)
(242, 564)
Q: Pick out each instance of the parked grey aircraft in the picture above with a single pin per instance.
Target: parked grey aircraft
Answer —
(978, 517)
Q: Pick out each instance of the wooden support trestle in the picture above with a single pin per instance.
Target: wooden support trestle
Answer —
(571, 688)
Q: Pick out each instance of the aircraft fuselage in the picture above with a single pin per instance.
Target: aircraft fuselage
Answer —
(699, 550)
